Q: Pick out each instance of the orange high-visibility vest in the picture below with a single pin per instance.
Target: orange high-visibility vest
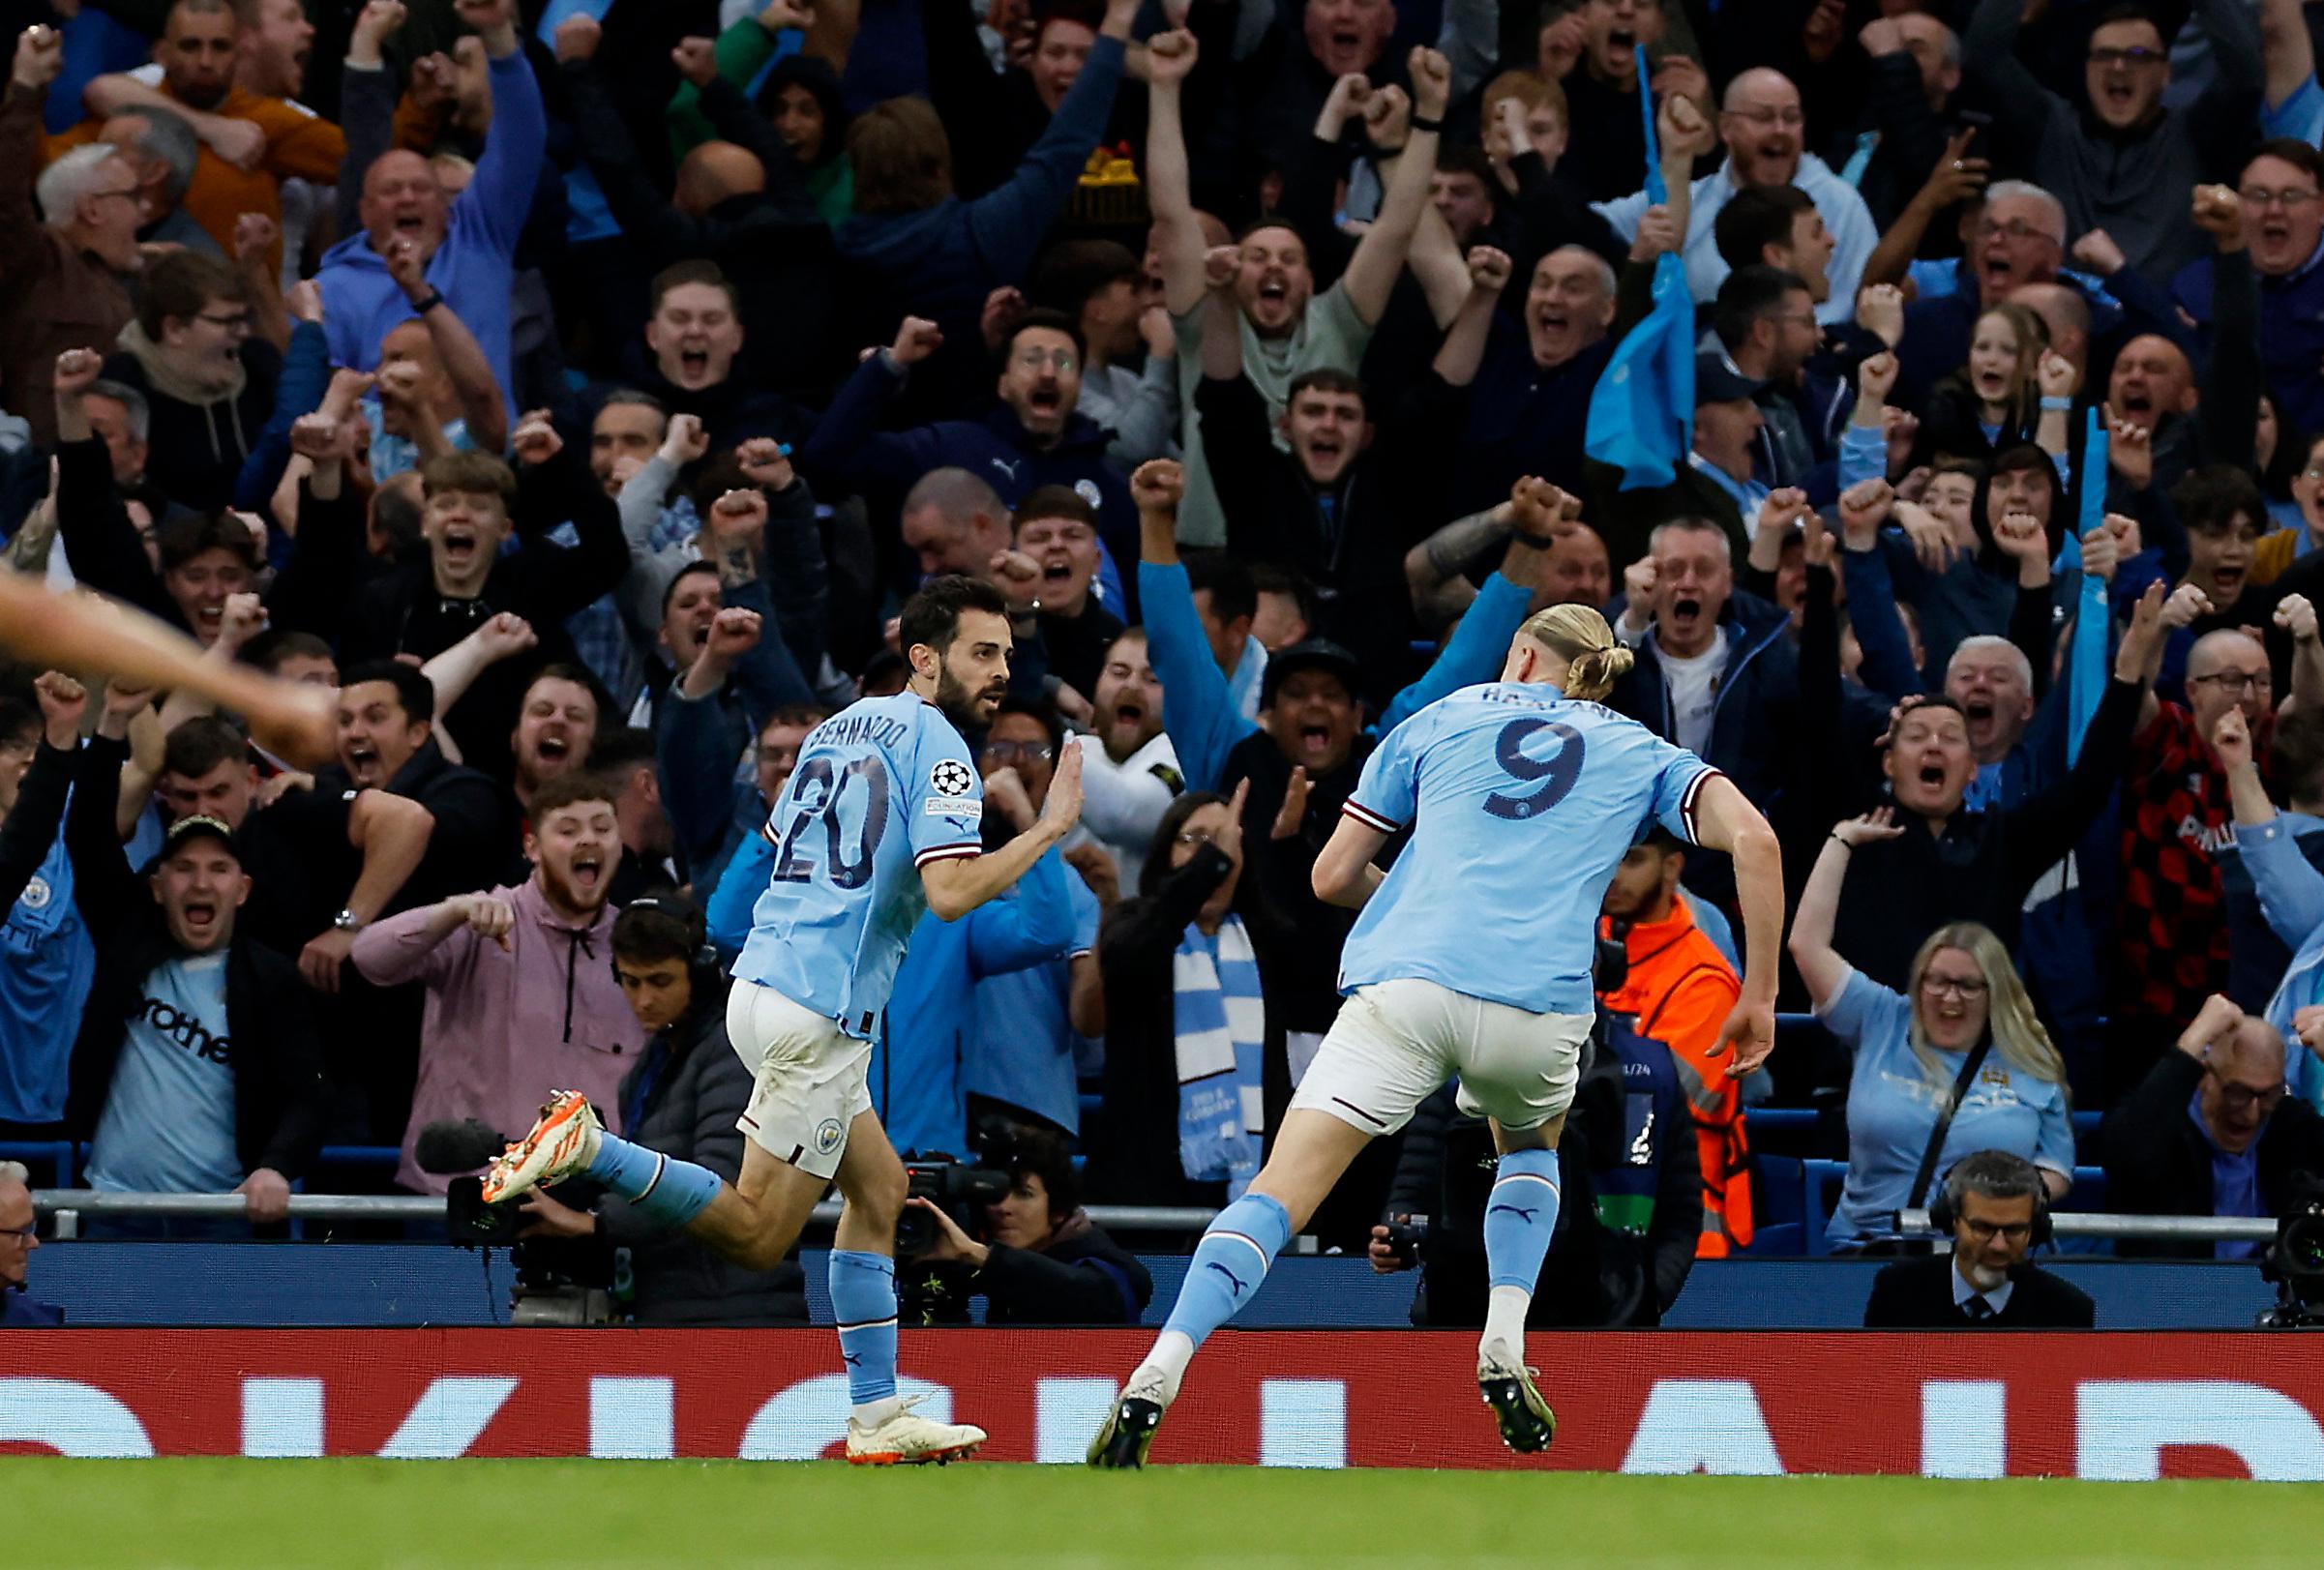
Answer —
(1681, 989)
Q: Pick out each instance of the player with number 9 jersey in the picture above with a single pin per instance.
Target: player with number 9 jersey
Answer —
(1470, 963)
(1522, 803)
(881, 788)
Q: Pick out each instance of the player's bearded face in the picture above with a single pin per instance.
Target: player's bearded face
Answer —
(972, 679)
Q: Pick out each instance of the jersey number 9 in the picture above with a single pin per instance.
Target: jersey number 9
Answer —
(1555, 773)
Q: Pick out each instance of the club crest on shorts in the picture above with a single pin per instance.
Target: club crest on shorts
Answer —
(951, 777)
(827, 1134)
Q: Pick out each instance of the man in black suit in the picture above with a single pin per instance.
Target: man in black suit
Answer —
(1994, 1198)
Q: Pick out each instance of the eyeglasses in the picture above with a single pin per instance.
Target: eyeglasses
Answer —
(1193, 837)
(2016, 229)
(2136, 58)
(2290, 201)
(130, 195)
(1791, 118)
(234, 321)
(24, 1232)
(2242, 1097)
(1035, 359)
(2233, 682)
(1984, 1232)
(1020, 752)
(1958, 986)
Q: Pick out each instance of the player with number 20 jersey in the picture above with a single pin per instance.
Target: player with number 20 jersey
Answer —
(879, 824)
(881, 788)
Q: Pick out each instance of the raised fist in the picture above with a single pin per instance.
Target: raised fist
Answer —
(536, 440)
(1169, 57)
(737, 514)
(733, 633)
(696, 60)
(2098, 251)
(2056, 374)
(685, 441)
(1880, 311)
(39, 57)
(76, 371)
(917, 339)
(1876, 377)
(2218, 212)
(1489, 270)
(254, 235)
(1865, 504)
(1432, 83)
(1157, 484)
(577, 38)
(2020, 535)
(315, 437)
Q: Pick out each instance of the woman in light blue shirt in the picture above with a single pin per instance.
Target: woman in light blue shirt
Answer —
(1910, 1051)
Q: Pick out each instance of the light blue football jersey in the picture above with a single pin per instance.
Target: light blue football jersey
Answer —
(1522, 803)
(882, 788)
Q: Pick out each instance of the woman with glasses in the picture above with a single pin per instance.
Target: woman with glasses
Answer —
(1962, 1034)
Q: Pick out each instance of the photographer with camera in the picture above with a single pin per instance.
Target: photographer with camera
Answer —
(683, 1098)
(2212, 1132)
(1042, 1260)
(1631, 1214)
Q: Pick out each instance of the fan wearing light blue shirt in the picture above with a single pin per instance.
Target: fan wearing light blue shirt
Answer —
(1912, 1050)
(1471, 961)
(879, 822)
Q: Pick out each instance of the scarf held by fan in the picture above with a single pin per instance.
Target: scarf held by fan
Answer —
(1221, 1035)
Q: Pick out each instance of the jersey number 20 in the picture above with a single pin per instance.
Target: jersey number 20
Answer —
(1551, 777)
(821, 787)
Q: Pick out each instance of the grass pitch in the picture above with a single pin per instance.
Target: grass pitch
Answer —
(517, 1515)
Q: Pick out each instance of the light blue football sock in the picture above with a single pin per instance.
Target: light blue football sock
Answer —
(863, 1300)
(661, 1188)
(1520, 1215)
(1229, 1264)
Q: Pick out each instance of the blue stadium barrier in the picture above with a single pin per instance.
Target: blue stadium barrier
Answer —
(389, 1283)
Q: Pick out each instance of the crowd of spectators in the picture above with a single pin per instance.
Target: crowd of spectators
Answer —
(579, 388)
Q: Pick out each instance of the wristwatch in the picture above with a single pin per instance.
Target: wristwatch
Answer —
(347, 921)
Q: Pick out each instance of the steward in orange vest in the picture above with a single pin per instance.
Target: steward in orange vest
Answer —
(1679, 990)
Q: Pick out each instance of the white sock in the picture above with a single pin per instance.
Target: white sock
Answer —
(873, 1413)
(1164, 1367)
(1504, 1322)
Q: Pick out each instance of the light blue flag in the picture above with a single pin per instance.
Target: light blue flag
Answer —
(2086, 657)
(1642, 410)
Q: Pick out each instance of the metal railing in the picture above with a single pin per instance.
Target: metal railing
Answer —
(69, 1205)
(2144, 1228)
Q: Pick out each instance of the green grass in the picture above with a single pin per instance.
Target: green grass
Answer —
(514, 1515)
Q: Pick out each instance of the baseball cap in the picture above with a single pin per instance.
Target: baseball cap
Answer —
(1310, 654)
(196, 826)
(1717, 382)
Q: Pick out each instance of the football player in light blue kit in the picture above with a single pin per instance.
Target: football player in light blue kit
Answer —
(880, 822)
(1471, 960)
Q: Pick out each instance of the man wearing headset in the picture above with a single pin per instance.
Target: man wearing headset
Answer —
(682, 1097)
(1997, 1210)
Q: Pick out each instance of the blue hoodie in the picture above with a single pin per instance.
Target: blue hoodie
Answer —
(473, 267)
(925, 1033)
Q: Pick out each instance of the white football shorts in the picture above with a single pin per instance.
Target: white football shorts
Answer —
(1396, 1042)
(811, 1079)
